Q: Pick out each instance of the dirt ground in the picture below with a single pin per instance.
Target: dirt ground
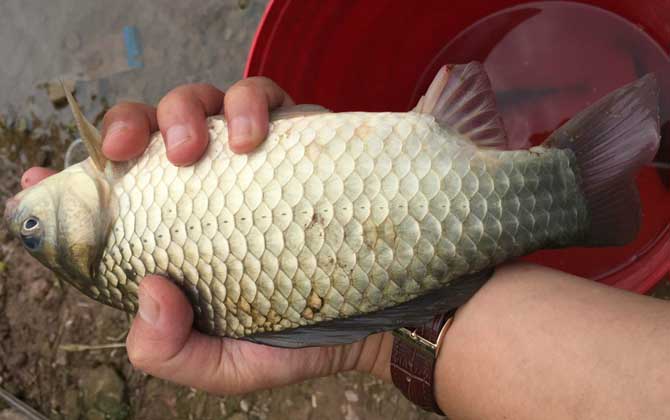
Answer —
(43, 323)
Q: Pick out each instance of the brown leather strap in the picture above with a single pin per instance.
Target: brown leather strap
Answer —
(412, 368)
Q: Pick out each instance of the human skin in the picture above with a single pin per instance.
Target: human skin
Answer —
(532, 343)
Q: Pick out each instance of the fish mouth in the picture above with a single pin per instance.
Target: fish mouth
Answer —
(11, 207)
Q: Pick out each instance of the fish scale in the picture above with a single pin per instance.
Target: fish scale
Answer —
(335, 215)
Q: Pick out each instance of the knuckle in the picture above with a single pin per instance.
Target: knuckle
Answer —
(183, 90)
(259, 81)
(124, 111)
(262, 88)
(115, 112)
(185, 95)
(190, 90)
(246, 87)
(178, 93)
(125, 106)
(203, 87)
(174, 95)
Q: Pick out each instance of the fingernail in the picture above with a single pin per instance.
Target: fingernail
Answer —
(149, 309)
(176, 136)
(25, 180)
(240, 129)
(115, 128)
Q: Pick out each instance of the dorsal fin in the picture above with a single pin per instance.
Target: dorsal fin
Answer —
(89, 134)
(461, 99)
(292, 111)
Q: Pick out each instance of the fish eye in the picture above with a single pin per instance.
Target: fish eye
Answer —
(31, 233)
(31, 224)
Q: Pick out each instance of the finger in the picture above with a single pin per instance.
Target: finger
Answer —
(182, 117)
(34, 175)
(162, 343)
(246, 109)
(126, 130)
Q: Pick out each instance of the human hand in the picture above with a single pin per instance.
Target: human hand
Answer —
(161, 341)
(180, 116)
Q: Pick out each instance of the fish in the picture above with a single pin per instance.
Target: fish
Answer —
(342, 224)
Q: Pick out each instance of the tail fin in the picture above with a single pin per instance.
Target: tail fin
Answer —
(612, 140)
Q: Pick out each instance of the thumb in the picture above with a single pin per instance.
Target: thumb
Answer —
(162, 326)
(161, 341)
(34, 175)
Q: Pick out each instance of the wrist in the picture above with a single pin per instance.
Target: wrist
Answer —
(473, 325)
(375, 356)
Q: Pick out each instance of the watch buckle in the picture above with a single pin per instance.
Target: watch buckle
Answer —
(420, 343)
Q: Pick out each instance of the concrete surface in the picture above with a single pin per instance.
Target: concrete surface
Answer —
(193, 40)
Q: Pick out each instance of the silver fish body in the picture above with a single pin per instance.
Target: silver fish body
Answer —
(342, 224)
(335, 215)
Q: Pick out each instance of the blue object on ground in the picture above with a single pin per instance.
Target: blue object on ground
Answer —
(131, 39)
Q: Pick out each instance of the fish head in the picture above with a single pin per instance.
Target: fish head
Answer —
(62, 221)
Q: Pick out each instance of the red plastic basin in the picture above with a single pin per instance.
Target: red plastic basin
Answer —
(380, 55)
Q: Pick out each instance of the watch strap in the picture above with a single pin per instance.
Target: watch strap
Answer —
(413, 360)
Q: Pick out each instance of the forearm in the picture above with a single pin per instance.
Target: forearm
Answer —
(536, 343)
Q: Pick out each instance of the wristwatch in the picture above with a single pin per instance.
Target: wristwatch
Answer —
(415, 351)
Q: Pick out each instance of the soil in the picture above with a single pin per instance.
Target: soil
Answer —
(44, 323)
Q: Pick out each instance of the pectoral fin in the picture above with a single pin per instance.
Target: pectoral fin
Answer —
(89, 134)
